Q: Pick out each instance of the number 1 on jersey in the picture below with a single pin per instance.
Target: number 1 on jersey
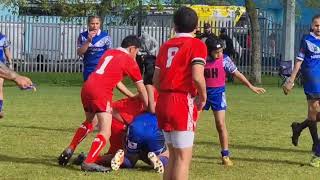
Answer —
(171, 53)
(104, 64)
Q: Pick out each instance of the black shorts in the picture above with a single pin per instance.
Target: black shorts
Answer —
(313, 96)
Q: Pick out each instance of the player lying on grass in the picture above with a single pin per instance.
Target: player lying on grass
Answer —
(215, 71)
(144, 141)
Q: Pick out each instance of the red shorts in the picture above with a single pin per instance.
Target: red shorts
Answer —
(117, 138)
(176, 112)
(101, 104)
(128, 108)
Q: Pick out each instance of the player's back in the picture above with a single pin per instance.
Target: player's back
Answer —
(112, 67)
(175, 63)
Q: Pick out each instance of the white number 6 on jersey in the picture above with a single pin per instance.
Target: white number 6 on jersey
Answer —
(171, 53)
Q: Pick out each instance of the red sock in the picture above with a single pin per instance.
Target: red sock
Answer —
(97, 145)
(80, 134)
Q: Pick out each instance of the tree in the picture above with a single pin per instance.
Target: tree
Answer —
(256, 41)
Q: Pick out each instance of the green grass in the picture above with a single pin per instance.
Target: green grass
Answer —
(38, 126)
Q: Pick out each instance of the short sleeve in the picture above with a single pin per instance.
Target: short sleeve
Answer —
(302, 50)
(6, 42)
(199, 52)
(228, 65)
(132, 70)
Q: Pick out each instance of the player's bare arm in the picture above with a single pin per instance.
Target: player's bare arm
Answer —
(124, 90)
(200, 83)
(9, 74)
(288, 85)
(151, 103)
(8, 55)
(244, 80)
(155, 78)
(142, 93)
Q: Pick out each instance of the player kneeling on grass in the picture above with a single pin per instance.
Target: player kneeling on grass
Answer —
(144, 141)
(96, 96)
(215, 71)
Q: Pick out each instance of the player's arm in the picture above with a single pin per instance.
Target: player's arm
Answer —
(245, 81)
(295, 70)
(155, 78)
(83, 46)
(124, 90)
(151, 103)
(142, 92)
(200, 83)
(8, 55)
(9, 74)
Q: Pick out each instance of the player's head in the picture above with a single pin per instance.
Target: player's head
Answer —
(215, 47)
(132, 43)
(316, 25)
(207, 28)
(185, 20)
(94, 23)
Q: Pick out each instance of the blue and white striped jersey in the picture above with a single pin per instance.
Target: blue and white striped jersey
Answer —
(310, 55)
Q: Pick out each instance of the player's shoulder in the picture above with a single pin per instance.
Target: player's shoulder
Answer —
(84, 33)
(2, 36)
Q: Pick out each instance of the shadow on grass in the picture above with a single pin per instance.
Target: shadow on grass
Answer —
(41, 128)
(201, 159)
(251, 147)
(49, 161)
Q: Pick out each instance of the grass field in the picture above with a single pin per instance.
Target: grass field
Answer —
(38, 126)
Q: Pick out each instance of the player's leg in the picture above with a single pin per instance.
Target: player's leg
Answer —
(182, 142)
(104, 122)
(219, 117)
(297, 128)
(158, 154)
(315, 160)
(1, 98)
(80, 134)
(313, 109)
(168, 170)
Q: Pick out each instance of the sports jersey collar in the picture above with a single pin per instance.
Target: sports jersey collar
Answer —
(312, 34)
(123, 50)
(183, 35)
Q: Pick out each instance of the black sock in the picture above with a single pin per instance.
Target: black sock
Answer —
(314, 131)
(303, 125)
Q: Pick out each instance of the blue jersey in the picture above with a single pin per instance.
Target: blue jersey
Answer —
(4, 43)
(100, 43)
(144, 135)
(310, 55)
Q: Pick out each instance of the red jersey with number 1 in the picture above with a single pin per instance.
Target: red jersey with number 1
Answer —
(112, 67)
(175, 63)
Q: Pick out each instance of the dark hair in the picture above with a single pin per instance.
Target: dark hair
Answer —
(131, 40)
(213, 44)
(93, 17)
(185, 19)
(315, 17)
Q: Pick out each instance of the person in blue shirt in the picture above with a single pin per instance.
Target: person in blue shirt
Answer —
(92, 44)
(144, 141)
(308, 62)
(5, 55)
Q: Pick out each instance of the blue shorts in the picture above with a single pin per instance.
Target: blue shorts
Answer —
(216, 99)
(86, 72)
(145, 136)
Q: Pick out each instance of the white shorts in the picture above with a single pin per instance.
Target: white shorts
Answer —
(179, 139)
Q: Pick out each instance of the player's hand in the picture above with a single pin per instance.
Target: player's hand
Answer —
(287, 86)
(200, 102)
(23, 82)
(258, 90)
(91, 34)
